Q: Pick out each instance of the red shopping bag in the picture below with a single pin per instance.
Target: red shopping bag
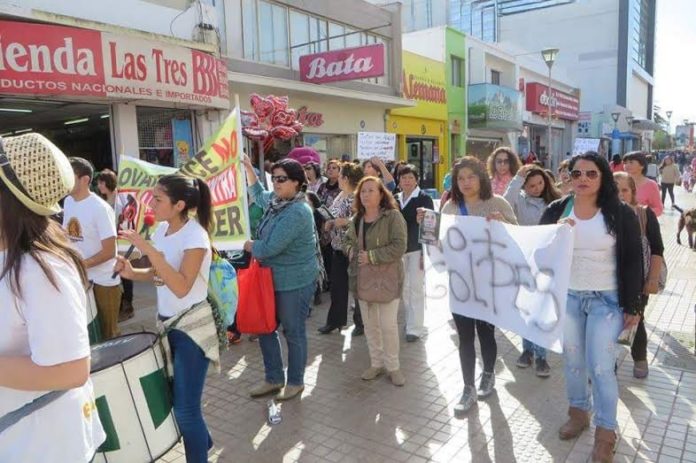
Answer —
(256, 311)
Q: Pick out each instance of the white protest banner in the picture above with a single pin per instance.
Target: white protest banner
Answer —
(380, 144)
(583, 145)
(513, 277)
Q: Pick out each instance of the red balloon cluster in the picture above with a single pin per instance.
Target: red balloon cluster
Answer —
(270, 118)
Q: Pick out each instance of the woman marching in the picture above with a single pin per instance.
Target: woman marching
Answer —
(286, 242)
(47, 408)
(377, 236)
(669, 175)
(180, 255)
(647, 191)
(650, 229)
(502, 165)
(604, 296)
(375, 167)
(472, 194)
(529, 193)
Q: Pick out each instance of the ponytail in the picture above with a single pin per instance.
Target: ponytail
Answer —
(204, 212)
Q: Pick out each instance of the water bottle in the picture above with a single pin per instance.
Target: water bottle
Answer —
(273, 413)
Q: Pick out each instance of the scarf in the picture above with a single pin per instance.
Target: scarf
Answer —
(275, 207)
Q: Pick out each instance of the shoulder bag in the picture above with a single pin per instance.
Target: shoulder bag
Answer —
(643, 220)
(377, 283)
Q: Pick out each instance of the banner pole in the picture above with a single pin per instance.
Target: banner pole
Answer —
(262, 171)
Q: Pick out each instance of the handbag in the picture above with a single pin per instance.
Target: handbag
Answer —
(662, 280)
(256, 310)
(377, 283)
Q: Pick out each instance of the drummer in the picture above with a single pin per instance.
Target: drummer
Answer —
(180, 256)
(47, 407)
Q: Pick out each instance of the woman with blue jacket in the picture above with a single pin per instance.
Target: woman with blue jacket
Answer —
(285, 242)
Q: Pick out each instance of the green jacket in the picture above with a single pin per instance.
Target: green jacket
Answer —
(386, 242)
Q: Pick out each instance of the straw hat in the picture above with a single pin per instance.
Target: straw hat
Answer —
(36, 172)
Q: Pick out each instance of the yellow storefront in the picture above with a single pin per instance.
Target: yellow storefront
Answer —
(422, 130)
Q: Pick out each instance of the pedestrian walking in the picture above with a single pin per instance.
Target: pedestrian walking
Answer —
(472, 194)
(286, 243)
(44, 345)
(669, 175)
(375, 167)
(650, 230)
(342, 210)
(91, 225)
(410, 199)
(564, 185)
(647, 191)
(529, 192)
(617, 163)
(180, 255)
(376, 243)
(604, 296)
(502, 165)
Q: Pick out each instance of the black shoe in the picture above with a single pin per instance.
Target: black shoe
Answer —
(525, 360)
(487, 385)
(411, 338)
(326, 329)
(467, 401)
(358, 330)
(542, 369)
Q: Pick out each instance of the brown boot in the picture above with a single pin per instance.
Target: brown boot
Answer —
(604, 444)
(579, 421)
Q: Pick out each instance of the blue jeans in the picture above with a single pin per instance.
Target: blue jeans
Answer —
(593, 324)
(190, 369)
(538, 351)
(291, 311)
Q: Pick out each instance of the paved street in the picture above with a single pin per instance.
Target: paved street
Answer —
(343, 419)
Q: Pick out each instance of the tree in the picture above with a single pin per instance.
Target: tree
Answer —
(662, 140)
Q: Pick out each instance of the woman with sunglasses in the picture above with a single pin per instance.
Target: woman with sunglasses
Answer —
(604, 296)
(286, 242)
(472, 194)
(502, 165)
(651, 230)
(342, 210)
(647, 190)
(529, 193)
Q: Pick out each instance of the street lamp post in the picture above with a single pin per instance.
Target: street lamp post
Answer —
(615, 140)
(669, 127)
(549, 56)
(629, 121)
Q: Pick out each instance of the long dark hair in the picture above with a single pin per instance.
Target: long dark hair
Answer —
(608, 194)
(479, 169)
(639, 157)
(550, 192)
(24, 232)
(195, 194)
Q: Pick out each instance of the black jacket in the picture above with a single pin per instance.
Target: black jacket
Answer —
(409, 212)
(629, 252)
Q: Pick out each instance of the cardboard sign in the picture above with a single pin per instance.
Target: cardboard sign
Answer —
(380, 144)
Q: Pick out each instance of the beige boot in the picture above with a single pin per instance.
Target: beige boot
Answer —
(372, 373)
(289, 392)
(264, 389)
(579, 421)
(604, 444)
(397, 378)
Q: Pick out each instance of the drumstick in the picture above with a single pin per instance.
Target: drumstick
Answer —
(148, 221)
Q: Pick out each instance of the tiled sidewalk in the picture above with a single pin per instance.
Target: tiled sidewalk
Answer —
(343, 419)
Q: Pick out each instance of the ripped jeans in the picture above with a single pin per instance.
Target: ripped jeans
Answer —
(593, 324)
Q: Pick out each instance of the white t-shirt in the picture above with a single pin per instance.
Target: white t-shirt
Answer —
(50, 326)
(594, 255)
(191, 236)
(88, 222)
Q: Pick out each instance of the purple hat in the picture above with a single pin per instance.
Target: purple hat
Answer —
(304, 154)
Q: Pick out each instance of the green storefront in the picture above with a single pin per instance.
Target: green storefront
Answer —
(455, 51)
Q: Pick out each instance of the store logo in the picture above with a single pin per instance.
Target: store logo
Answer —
(309, 119)
(17, 57)
(416, 89)
(346, 64)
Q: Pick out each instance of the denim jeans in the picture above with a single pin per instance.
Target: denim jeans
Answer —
(538, 351)
(291, 311)
(593, 324)
(190, 369)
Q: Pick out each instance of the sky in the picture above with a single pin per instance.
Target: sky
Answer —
(675, 59)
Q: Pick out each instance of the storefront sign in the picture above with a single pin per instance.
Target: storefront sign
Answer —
(309, 119)
(379, 144)
(424, 81)
(346, 64)
(38, 59)
(494, 107)
(563, 105)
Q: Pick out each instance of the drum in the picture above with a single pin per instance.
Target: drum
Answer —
(133, 399)
(93, 326)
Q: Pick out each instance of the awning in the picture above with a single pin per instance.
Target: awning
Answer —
(260, 83)
(645, 124)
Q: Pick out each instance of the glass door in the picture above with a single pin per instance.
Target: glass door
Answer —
(420, 154)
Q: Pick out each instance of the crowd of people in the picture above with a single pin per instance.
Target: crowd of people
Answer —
(350, 229)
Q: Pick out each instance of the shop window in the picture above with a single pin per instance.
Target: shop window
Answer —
(495, 77)
(337, 39)
(250, 30)
(318, 34)
(457, 72)
(273, 33)
(299, 37)
(165, 136)
(352, 38)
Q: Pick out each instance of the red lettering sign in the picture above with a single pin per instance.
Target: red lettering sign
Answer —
(309, 119)
(346, 64)
(415, 89)
(563, 105)
(40, 59)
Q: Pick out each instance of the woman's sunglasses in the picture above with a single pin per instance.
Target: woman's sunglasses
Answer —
(591, 174)
(279, 178)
